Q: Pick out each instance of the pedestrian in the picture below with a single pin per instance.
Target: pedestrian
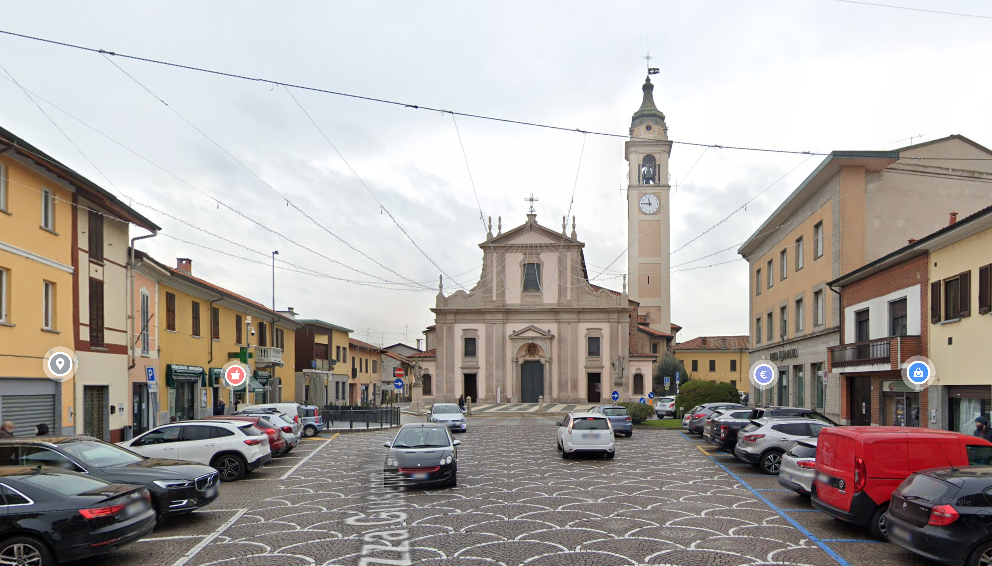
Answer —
(982, 429)
(7, 430)
(461, 402)
(219, 407)
(42, 429)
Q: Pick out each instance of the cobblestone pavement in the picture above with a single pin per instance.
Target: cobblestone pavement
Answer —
(661, 501)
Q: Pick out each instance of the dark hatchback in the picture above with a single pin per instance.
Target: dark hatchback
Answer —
(177, 487)
(944, 515)
(422, 453)
(50, 516)
(722, 429)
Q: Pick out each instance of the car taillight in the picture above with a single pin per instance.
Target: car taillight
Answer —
(859, 475)
(296, 419)
(699, 415)
(98, 512)
(752, 437)
(806, 464)
(627, 419)
(943, 515)
(252, 441)
(723, 431)
(609, 423)
(570, 423)
(148, 496)
(287, 429)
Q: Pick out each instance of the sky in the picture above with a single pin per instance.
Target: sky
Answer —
(368, 210)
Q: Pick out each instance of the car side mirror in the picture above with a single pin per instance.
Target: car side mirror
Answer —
(558, 423)
(456, 443)
(386, 445)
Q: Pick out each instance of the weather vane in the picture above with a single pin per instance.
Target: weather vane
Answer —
(531, 200)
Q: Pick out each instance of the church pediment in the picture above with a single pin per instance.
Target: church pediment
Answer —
(531, 332)
(530, 233)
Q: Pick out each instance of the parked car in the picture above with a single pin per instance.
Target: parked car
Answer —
(449, 414)
(277, 444)
(768, 412)
(858, 467)
(664, 407)
(688, 417)
(763, 442)
(289, 430)
(423, 453)
(619, 418)
(943, 514)
(233, 448)
(177, 487)
(798, 467)
(698, 414)
(49, 516)
(723, 428)
(590, 433)
(308, 416)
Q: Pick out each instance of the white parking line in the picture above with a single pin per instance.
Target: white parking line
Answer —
(210, 538)
(304, 461)
(177, 537)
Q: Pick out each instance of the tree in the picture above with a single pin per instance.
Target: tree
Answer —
(668, 366)
(699, 392)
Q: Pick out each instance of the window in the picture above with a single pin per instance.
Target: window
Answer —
(594, 350)
(96, 236)
(783, 259)
(733, 365)
(375, 366)
(771, 274)
(32, 456)
(279, 339)
(800, 315)
(344, 354)
(638, 386)
(215, 323)
(654, 347)
(263, 335)
(793, 429)
(799, 253)
(712, 365)
(13, 497)
(757, 282)
(470, 347)
(238, 330)
(784, 321)
(3, 187)
(695, 365)
(978, 455)
(817, 371)
(196, 318)
(428, 389)
(97, 338)
(145, 316)
(48, 298)
(337, 391)
(4, 284)
(985, 289)
(47, 210)
(165, 435)
(770, 332)
(532, 277)
(800, 385)
(818, 308)
(193, 433)
(170, 312)
(337, 353)
(757, 330)
(818, 240)
(897, 318)
(957, 297)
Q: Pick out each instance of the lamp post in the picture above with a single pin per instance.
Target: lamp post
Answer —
(274, 254)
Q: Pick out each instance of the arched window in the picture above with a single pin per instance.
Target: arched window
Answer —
(639, 383)
(648, 170)
(428, 390)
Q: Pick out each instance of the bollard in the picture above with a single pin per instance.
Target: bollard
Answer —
(351, 419)
(468, 406)
(540, 405)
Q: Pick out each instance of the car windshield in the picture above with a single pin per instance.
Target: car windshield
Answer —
(925, 488)
(803, 451)
(446, 410)
(751, 427)
(100, 454)
(422, 437)
(67, 485)
(666, 399)
(309, 412)
(590, 423)
(615, 412)
(250, 430)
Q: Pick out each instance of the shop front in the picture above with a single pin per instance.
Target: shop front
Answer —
(261, 384)
(184, 384)
(900, 404)
(965, 403)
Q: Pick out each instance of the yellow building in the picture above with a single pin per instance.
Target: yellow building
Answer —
(716, 358)
(365, 384)
(200, 328)
(321, 358)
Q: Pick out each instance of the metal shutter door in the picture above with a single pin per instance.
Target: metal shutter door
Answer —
(27, 411)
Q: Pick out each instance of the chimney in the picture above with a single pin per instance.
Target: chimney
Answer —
(289, 312)
(954, 218)
(185, 265)
(912, 241)
(704, 340)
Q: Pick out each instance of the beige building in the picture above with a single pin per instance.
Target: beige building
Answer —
(716, 358)
(856, 207)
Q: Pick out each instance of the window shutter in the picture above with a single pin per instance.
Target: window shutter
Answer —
(965, 289)
(96, 314)
(935, 302)
(96, 235)
(170, 311)
(985, 289)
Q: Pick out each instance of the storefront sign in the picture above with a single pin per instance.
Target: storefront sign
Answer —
(177, 372)
(785, 354)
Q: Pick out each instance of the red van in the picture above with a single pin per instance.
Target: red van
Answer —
(858, 467)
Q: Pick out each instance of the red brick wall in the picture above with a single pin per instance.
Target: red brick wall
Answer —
(910, 272)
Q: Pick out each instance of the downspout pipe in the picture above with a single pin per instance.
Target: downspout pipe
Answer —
(130, 299)
(210, 316)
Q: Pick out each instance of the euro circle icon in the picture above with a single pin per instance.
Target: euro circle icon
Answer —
(763, 374)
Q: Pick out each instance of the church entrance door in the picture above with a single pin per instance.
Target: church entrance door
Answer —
(531, 382)
(471, 387)
(594, 390)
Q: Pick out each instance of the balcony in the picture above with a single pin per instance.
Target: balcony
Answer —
(875, 355)
(268, 357)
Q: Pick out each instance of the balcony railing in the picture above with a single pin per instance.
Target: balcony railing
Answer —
(265, 356)
(891, 351)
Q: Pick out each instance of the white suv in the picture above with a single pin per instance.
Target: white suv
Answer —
(234, 448)
(586, 432)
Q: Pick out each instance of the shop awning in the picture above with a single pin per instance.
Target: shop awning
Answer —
(254, 386)
(177, 372)
(216, 377)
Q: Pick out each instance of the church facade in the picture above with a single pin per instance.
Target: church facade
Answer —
(535, 328)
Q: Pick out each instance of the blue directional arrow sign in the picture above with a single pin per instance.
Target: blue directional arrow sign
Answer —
(616, 396)
(650, 394)
(398, 384)
(642, 401)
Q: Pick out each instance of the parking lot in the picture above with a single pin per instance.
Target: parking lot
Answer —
(665, 499)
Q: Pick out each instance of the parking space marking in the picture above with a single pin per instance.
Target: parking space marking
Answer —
(759, 489)
(817, 541)
(210, 538)
(802, 511)
(308, 456)
(703, 451)
(851, 540)
(176, 537)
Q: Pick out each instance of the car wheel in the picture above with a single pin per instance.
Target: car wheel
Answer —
(981, 556)
(558, 446)
(771, 462)
(453, 482)
(629, 434)
(564, 455)
(611, 455)
(232, 467)
(27, 551)
(288, 450)
(877, 526)
(309, 431)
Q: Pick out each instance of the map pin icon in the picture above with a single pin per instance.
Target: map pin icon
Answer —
(59, 362)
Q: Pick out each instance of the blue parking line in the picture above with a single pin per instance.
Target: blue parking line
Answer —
(820, 543)
(752, 475)
(852, 540)
(757, 489)
(801, 511)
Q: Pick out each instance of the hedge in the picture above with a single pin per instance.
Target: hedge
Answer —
(639, 412)
(697, 392)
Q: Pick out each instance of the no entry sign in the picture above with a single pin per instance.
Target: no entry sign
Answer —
(399, 373)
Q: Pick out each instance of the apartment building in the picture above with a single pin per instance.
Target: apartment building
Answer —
(366, 383)
(321, 356)
(716, 358)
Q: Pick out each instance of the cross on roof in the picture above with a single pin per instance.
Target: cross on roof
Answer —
(531, 200)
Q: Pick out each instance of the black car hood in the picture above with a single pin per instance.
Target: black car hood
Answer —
(418, 457)
(158, 468)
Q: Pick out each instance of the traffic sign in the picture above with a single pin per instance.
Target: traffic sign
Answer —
(398, 384)
(399, 373)
(650, 394)
(235, 375)
(152, 382)
(668, 380)
(615, 396)
(642, 401)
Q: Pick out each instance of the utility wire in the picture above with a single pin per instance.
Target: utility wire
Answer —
(911, 9)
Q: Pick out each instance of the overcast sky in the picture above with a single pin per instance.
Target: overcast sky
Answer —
(812, 75)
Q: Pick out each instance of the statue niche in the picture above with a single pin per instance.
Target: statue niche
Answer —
(648, 168)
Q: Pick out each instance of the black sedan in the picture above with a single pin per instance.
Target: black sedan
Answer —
(49, 516)
(422, 453)
(177, 487)
(944, 515)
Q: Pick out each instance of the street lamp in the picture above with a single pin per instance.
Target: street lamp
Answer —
(274, 254)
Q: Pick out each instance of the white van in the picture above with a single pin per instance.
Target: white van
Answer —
(308, 416)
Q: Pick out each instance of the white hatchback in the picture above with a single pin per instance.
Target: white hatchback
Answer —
(233, 448)
(586, 433)
(287, 428)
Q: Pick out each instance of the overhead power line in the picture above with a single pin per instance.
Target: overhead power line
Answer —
(912, 9)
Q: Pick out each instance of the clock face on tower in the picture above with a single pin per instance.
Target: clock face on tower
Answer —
(649, 204)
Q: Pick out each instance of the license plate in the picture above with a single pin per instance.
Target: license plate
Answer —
(590, 435)
(900, 533)
(419, 476)
(135, 508)
(823, 478)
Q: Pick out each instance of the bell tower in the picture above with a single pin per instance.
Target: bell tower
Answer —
(648, 234)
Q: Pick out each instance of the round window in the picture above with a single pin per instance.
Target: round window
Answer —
(648, 127)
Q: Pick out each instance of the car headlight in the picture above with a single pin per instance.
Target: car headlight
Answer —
(168, 484)
(447, 460)
(392, 462)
